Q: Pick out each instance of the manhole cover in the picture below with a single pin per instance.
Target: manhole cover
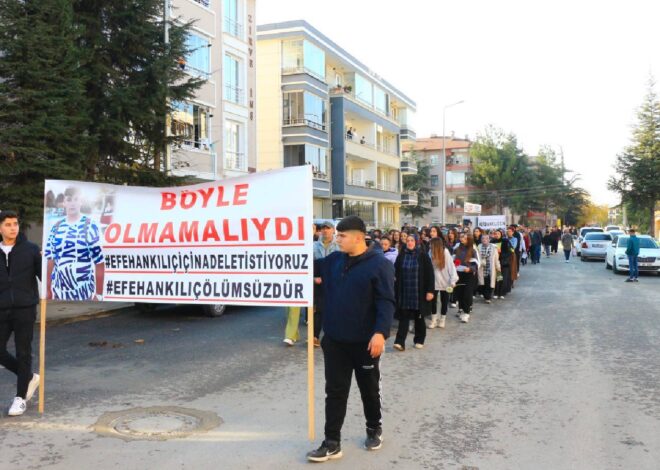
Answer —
(156, 423)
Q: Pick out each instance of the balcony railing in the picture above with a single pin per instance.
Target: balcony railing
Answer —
(305, 122)
(409, 199)
(233, 27)
(392, 188)
(348, 92)
(379, 148)
(318, 173)
(233, 94)
(408, 166)
(370, 184)
(204, 3)
(235, 161)
(296, 70)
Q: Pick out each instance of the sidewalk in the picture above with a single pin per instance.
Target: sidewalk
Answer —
(64, 312)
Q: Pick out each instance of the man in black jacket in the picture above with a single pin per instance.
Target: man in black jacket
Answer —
(358, 284)
(20, 266)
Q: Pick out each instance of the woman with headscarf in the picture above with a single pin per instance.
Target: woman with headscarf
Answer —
(466, 261)
(414, 288)
(489, 266)
(446, 278)
(503, 281)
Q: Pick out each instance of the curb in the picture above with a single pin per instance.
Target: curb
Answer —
(85, 316)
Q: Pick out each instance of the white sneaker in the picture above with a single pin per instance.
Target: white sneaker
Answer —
(566, 261)
(488, 301)
(289, 341)
(441, 323)
(419, 346)
(454, 304)
(398, 347)
(32, 387)
(17, 407)
(465, 317)
(434, 321)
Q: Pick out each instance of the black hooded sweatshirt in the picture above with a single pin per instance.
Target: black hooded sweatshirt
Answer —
(18, 275)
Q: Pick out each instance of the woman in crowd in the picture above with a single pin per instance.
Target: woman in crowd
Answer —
(489, 266)
(446, 278)
(414, 287)
(477, 236)
(403, 237)
(503, 284)
(547, 242)
(395, 237)
(452, 240)
(435, 232)
(467, 263)
(388, 250)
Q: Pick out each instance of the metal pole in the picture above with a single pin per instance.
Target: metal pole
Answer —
(166, 21)
(444, 169)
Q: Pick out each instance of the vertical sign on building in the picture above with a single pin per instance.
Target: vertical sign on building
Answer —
(251, 86)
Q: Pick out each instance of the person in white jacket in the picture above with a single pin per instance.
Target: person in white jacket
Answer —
(445, 280)
(489, 266)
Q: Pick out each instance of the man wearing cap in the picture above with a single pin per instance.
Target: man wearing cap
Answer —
(358, 286)
(322, 247)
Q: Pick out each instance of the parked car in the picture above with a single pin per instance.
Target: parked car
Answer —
(649, 254)
(581, 233)
(594, 245)
(609, 228)
(616, 233)
(212, 310)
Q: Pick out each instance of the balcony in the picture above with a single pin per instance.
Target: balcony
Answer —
(347, 92)
(235, 161)
(370, 184)
(408, 167)
(204, 3)
(409, 199)
(233, 27)
(304, 122)
(233, 94)
(371, 153)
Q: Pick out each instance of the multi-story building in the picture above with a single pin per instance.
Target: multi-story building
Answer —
(458, 167)
(320, 106)
(218, 126)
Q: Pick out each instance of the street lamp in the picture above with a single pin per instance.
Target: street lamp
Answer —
(444, 162)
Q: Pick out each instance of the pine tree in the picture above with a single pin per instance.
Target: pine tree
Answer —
(638, 166)
(42, 108)
(418, 183)
(132, 76)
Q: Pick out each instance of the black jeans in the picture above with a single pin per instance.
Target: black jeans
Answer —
(318, 323)
(341, 360)
(444, 302)
(463, 291)
(19, 321)
(567, 254)
(486, 289)
(404, 322)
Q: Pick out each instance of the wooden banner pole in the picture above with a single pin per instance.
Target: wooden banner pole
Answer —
(42, 354)
(310, 371)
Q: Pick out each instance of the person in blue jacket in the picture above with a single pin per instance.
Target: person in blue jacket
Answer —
(358, 285)
(632, 250)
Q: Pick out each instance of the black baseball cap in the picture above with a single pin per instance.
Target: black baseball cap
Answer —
(352, 222)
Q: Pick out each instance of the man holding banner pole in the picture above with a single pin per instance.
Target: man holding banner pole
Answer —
(20, 266)
(358, 285)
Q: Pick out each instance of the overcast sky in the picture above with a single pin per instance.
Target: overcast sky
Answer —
(562, 73)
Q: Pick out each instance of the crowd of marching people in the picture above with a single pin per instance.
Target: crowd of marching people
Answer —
(437, 268)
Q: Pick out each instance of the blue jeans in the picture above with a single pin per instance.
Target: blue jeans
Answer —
(634, 269)
(567, 254)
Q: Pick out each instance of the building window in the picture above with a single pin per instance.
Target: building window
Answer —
(304, 108)
(317, 157)
(455, 178)
(302, 56)
(232, 74)
(434, 159)
(382, 100)
(363, 209)
(233, 24)
(234, 154)
(434, 201)
(190, 124)
(364, 90)
(198, 57)
(435, 181)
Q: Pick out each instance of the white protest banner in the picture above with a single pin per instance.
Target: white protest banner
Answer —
(244, 241)
(492, 222)
(471, 208)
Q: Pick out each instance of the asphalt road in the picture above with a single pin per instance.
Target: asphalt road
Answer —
(563, 374)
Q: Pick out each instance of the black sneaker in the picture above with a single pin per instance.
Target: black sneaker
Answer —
(329, 450)
(374, 440)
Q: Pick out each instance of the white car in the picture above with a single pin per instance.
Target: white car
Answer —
(583, 231)
(648, 259)
(594, 245)
(609, 228)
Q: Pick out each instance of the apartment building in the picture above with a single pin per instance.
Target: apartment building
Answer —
(458, 166)
(320, 106)
(218, 126)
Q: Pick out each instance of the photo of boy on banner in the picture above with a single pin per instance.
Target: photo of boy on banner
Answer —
(75, 268)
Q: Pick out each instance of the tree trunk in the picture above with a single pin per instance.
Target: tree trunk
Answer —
(652, 220)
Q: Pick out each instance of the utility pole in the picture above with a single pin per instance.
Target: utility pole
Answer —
(166, 40)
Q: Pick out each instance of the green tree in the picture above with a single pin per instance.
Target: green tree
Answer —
(43, 118)
(638, 166)
(131, 78)
(499, 169)
(418, 183)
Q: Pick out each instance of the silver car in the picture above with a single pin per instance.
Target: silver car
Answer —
(594, 245)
